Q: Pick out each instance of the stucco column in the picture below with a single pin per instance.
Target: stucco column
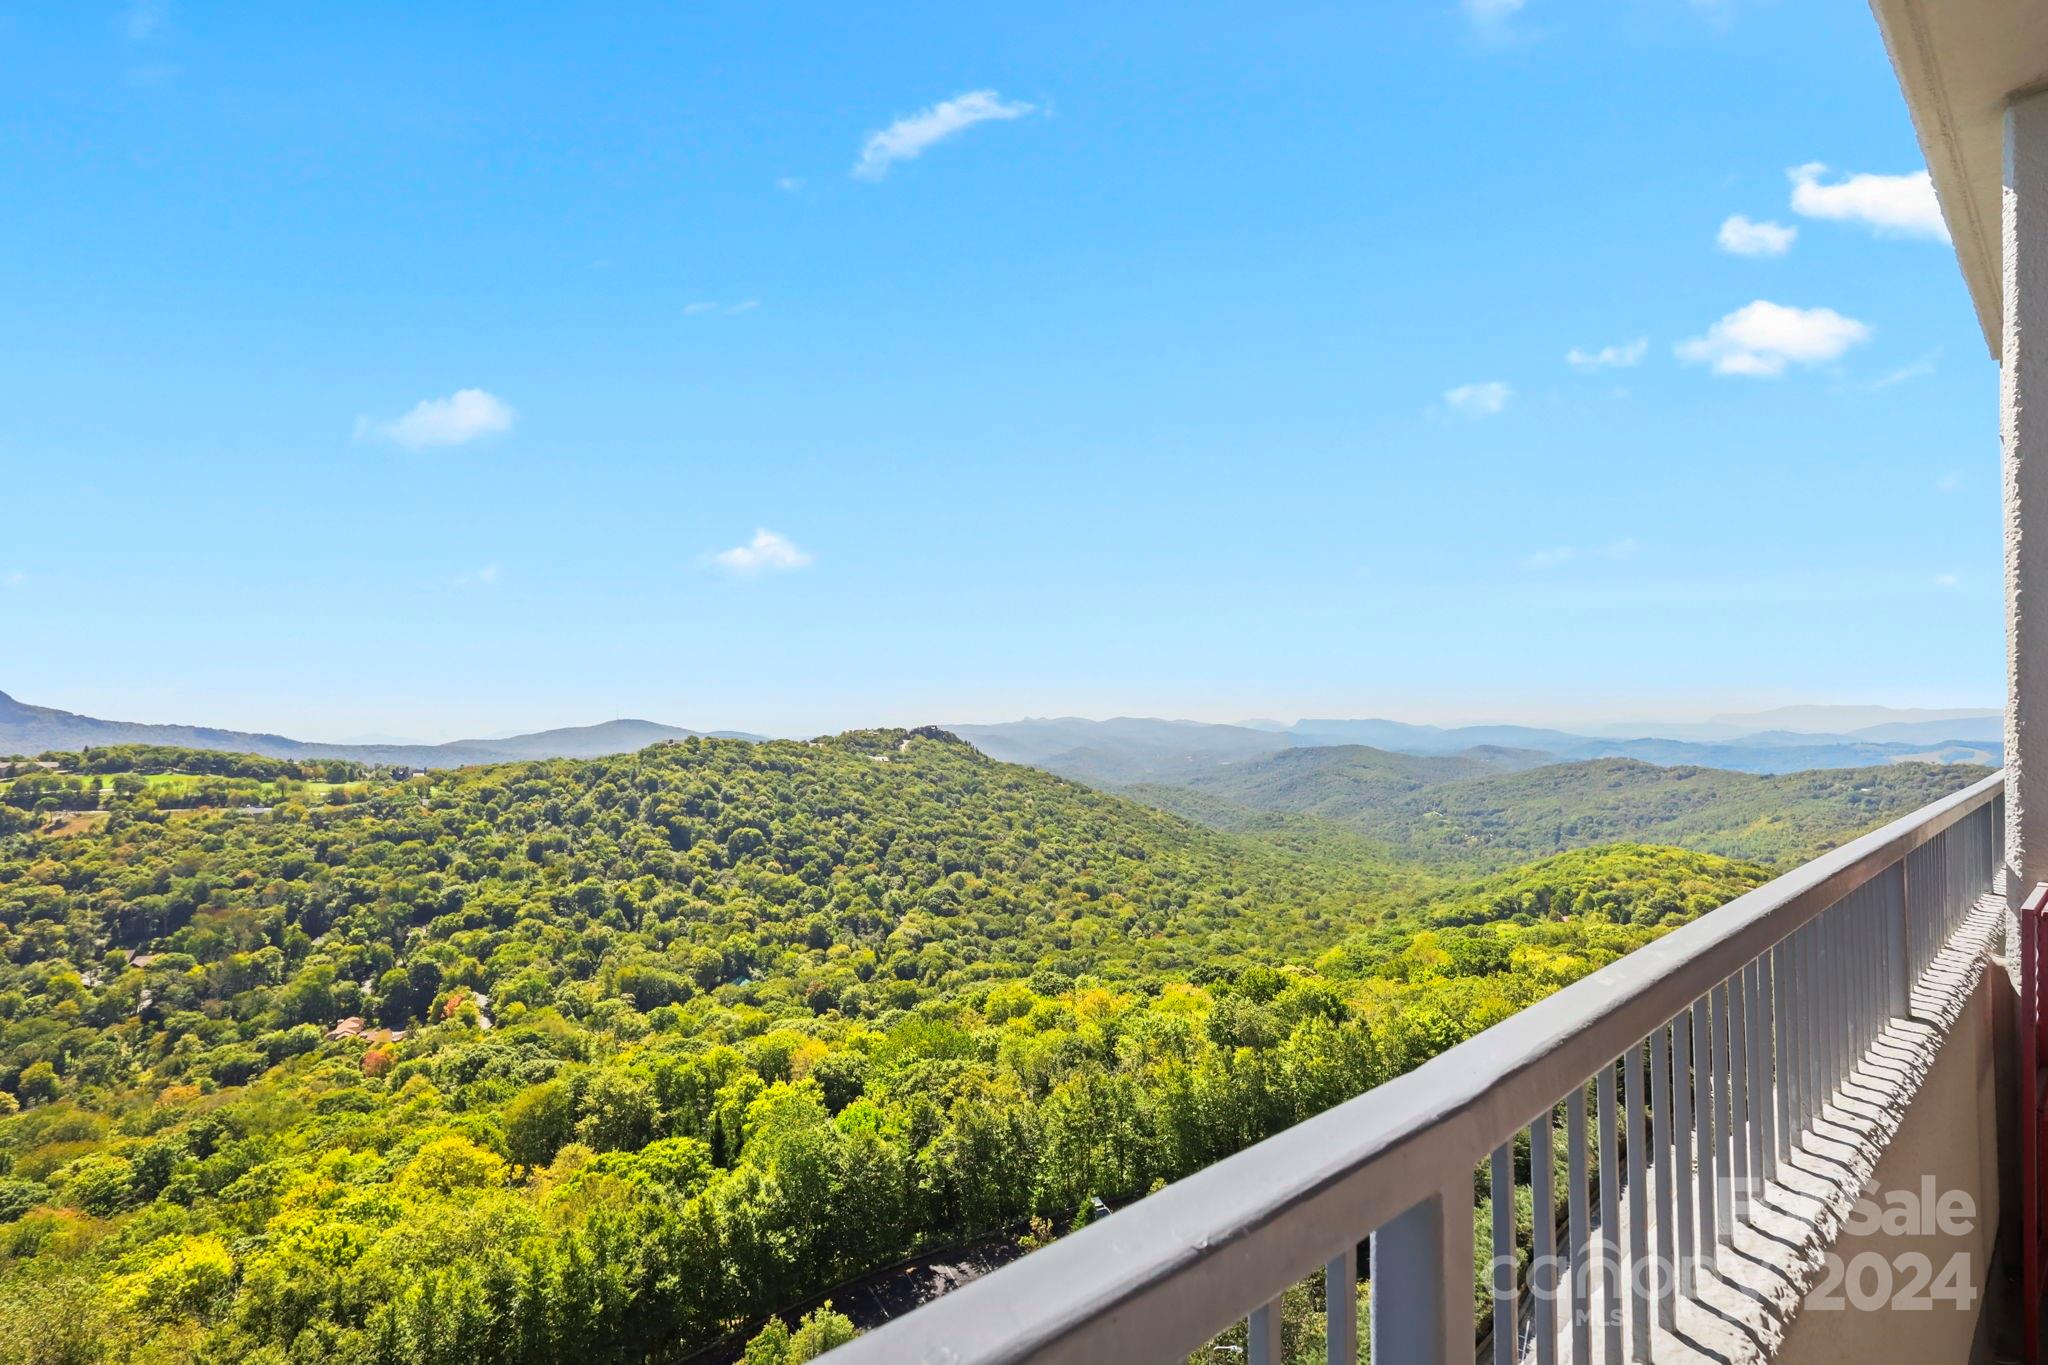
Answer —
(2023, 411)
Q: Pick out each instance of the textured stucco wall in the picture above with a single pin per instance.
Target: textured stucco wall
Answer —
(1949, 1132)
(2023, 422)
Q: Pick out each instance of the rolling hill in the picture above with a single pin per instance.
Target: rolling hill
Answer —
(27, 730)
(1431, 811)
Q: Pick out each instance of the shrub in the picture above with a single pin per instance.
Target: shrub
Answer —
(18, 1196)
(184, 1283)
(101, 1185)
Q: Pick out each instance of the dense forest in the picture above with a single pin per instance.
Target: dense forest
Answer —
(615, 1059)
(1491, 808)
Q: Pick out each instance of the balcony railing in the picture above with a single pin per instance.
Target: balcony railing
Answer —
(1718, 1046)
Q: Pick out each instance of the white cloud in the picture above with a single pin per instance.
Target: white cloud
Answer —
(744, 306)
(1948, 580)
(1479, 400)
(1902, 205)
(1557, 556)
(1608, 357)
(1948, 483)
(1741, 236)
(691, 310)
(143, 20)
(1760, 339)
(766, 552)
(790, 184)
(909, 137)
(1918, 369)
(703, 306)
(1491, 17)
(483, 577)
(461, 417)
(1551, 558)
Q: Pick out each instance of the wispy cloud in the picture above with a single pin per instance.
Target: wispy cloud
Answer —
(1948, 580)
(1608, 357)
(1897, 205)
(1740, 236)
(913, 135)
(484, 576)
(463, 416)
(142, 20)
(790, 184)
(1919, 369)
(1761, 339)
(1486, 399)
(1948, 483)
(1557, 556)
(767, 552)
(1492, 19)
(13, 578)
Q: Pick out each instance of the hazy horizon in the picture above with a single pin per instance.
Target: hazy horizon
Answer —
(155, 709)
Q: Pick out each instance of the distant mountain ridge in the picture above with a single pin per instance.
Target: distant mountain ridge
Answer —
(26, 729)
(1127, 750)
(1493, 808)
(1872, 722)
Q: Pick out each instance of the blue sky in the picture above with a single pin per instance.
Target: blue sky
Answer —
(437, 370)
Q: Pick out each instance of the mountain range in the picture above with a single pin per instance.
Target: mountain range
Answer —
(26, 729)
(1126, 750)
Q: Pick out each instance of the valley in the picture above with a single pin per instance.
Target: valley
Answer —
(618, 1057)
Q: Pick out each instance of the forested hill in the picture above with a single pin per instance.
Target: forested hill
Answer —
(1417, 809)
(26, 729)
(609, 1059)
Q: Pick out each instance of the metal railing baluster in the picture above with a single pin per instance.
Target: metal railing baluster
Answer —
(1773, 1058)
(1609, 1251)
(1817, 1043)
(1830, 1009)
(1578, 1228)
(1724, 1122)
(1681, 1141)
(1262, 1336)
(1413, 1255)
(1808, 1039)
(1847, 937)
(1738, 1093)
(1899, 947)
(1543, 1237)
(1703, 1122)
(1340, 1308)
(1505, 1290)
(1637, 1263)
(1664, 1173)
(1758, 1050)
